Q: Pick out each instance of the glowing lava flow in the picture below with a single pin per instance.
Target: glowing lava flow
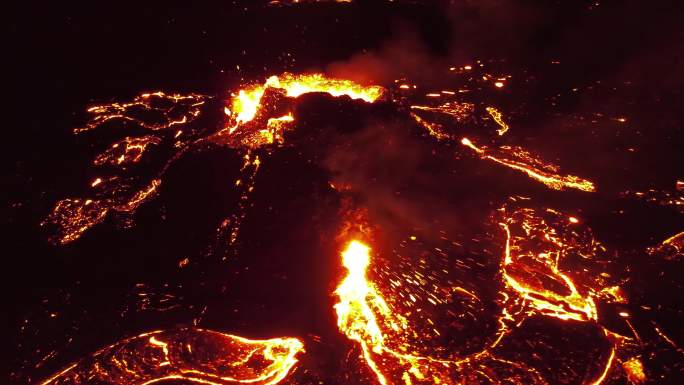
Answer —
(520, 160)
(171, 110)
(247, 102)
(498, 118)
(74, 216)
(165, 118)
(459, 111)
(364, 316)
(529, 269)
(195, 355)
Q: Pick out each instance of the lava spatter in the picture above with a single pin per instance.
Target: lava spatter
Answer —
(194, 355)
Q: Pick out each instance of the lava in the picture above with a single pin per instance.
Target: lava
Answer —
(533, 271)
(364, 317)
(459, 111)
(195, 355)
(74, 216)
(498, 118)
(435, 130)
(247, 102)
(160, 112)
(521, 160)
(127, 151)
(164, 117)
(537, 245)
(168, 109)
(532, 256)
(635, 371)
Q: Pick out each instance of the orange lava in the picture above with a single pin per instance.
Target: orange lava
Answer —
(521, 160)
(195, 355)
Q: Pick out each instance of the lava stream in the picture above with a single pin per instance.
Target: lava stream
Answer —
(194, 355)
(520, 160)
(364, 316)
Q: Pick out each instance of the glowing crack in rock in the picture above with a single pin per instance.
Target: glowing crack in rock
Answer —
(521, 160)
(435, 130)
(672, 199)
(195, 355)
(537, 243)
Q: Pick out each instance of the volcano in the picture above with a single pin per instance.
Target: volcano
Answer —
(348, 192)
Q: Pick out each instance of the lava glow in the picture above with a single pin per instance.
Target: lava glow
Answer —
(521, 262)
(498, 118)
(459, 111)
(536, 256)
(520, 160)
(364, 317)
(195, 355)
(534, 283)
(172, 110)
(248, 101)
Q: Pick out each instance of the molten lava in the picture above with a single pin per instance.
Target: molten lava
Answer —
(364, 317)
(521, 160)
(532, 256)
(498, 118)
(195, 355)
(247, 102)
